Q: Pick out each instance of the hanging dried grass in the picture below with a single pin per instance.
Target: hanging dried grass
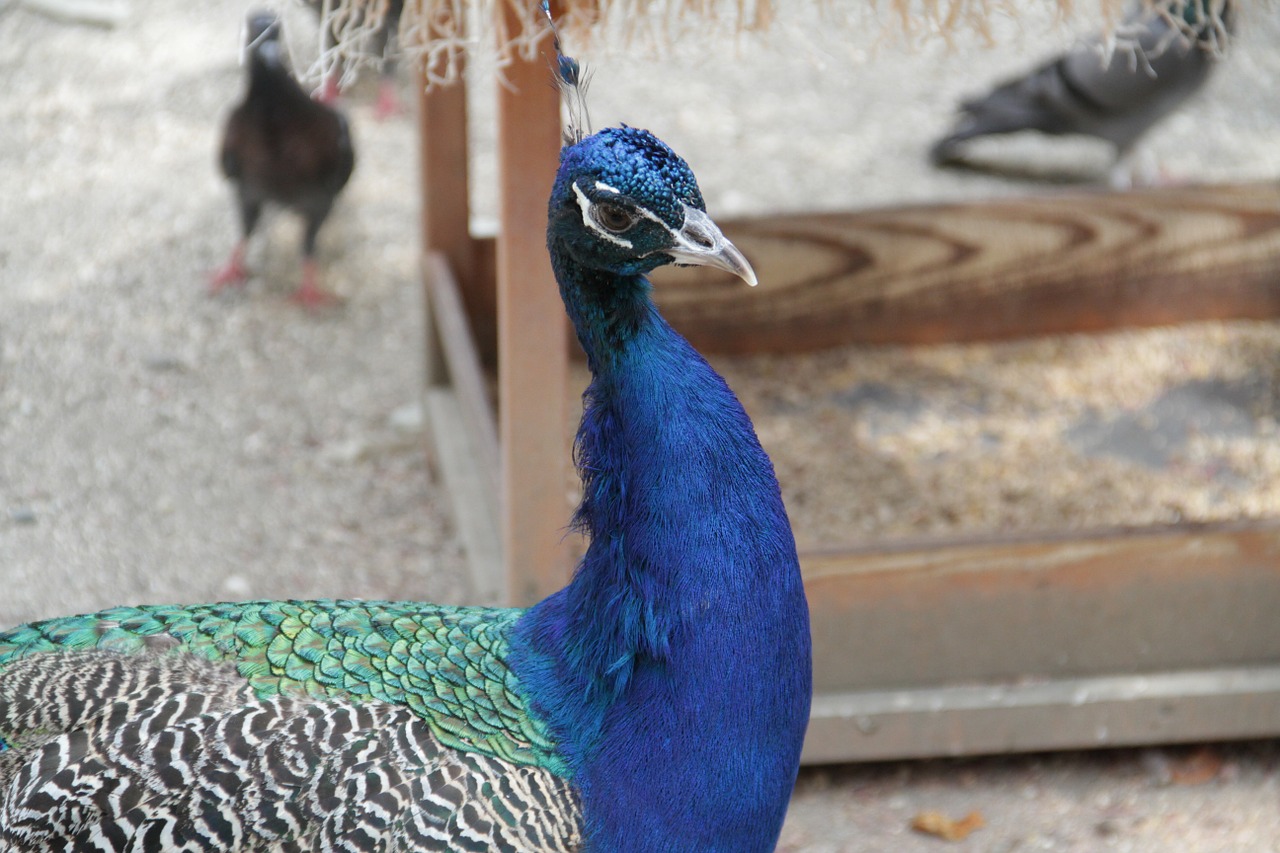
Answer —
(442, 33)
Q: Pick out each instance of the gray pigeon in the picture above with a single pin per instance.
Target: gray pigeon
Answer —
(1166, 60)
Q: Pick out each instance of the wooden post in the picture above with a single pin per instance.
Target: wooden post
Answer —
(459, 304)
(532, 351)
(442, 126)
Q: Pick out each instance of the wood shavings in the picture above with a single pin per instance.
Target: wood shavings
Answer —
(1136, 428)
(1203, 765)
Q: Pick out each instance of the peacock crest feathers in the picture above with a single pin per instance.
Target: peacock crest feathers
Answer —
(571, 79)
(664, 181)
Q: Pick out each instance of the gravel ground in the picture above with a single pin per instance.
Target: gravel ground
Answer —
(159, 445)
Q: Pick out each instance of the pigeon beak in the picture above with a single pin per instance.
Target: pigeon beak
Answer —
(699, 242)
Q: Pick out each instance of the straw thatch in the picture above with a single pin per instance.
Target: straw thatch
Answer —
(443, 32)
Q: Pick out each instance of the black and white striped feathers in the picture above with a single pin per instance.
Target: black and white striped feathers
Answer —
(176, 753)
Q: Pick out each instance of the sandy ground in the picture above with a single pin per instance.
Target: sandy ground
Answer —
(159, 445)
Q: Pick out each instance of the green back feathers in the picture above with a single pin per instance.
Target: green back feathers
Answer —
(447, 664)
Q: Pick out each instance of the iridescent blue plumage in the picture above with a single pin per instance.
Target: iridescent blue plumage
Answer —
(610, 157)
(682, 642)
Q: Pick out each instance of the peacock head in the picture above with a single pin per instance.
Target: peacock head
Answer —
(625, 203)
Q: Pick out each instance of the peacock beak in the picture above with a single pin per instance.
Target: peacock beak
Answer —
(699, 242)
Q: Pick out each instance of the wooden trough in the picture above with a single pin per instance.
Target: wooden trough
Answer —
(993, 644)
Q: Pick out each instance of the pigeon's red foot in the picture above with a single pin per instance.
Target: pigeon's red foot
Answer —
(309, 294)
(231, 274)
(313, 298)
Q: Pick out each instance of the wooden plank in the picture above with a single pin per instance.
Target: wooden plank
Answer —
(533, 359)
(442, 123)
(1072, 262)
(1068, 606)
(467, 378)
(471, 494)
(914, 636)
(1168, 707)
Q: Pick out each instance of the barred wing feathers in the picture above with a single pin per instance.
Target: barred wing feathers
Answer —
(111, 742)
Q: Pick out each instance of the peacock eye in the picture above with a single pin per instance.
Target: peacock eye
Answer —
(614, 218)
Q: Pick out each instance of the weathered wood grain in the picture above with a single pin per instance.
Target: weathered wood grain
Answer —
(1052, 642)
(444, 185)
(532, 333)
(1071, 262)
(1068, 605)
(1034, 715)
(466, 376)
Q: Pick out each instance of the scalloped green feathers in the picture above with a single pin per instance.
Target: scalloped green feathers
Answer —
(446, 664)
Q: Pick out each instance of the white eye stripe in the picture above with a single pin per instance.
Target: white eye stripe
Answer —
(603, 187)
(652, 217)
(588, 220)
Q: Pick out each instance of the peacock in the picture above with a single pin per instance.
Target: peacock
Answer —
(656, 703)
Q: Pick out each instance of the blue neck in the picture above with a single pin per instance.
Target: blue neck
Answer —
(675, 667)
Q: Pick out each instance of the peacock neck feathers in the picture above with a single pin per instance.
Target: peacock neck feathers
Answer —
(680, 504)
(682, 642)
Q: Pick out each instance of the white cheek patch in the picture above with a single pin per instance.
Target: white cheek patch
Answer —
(585, 204)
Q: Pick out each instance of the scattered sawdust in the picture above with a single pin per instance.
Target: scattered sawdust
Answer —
(1133, 428)
(1200, 767)
(1057, 433)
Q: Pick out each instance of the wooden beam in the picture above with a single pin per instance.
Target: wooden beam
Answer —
(1032, 716)
(900, 633)
(462, 437)
(1070, 262)
(1163, 598)
(533, 360)
(471, 495)
(442, 124)
(461, 431)
(467, 378)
